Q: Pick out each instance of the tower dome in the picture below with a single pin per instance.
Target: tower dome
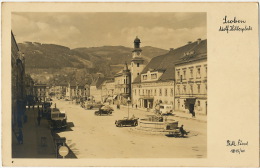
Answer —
(137, 42)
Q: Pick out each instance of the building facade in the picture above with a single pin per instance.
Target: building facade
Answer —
(29, 89)
(96, 89)
(18, 85)
(41, 92)
(77, 91)
(123, 85)
(191, 79)
(108, 91)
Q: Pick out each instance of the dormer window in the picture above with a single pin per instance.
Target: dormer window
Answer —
(144, 77)
(137, 64)
(154, 76)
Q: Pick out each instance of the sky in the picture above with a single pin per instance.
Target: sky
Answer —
(75, 30)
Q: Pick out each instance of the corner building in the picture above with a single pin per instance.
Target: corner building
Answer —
(191, 79)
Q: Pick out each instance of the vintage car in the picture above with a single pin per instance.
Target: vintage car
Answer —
(58, 119)
(90, 105)
(166, 109)
(127, 122)
(104, 110)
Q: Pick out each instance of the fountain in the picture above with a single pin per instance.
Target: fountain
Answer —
(157, 123)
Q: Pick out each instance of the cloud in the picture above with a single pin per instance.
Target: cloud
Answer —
(163, 30)
(164, 37)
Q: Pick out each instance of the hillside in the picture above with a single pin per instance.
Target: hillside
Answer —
(52, 59)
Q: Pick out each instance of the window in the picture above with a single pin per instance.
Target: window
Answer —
(166, 90)
(178, 88)
(139, 91)
(154, 92)
(206, 69)
(184, 74)
(137, 64)
(198, 72)
(154, 76)
(160, 92)
(178, 74)
(143, 91)
(191, 89)
(124, 81)
(184, 89)
(191, 73)
(144, 77)
(198, 88)
(135, 91)
(171, 94)
(151, 91)
(181, 78)
(137, 73)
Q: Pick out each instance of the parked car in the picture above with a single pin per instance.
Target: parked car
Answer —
(127, 122)
(104, 110)
(58, 119)
(90, 105)
(166, 109)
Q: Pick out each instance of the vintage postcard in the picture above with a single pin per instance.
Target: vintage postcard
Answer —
(130, 84)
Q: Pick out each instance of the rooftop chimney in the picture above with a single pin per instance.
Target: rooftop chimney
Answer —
(189, 42)
(199, 40)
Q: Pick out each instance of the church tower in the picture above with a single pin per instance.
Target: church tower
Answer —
(137, 63)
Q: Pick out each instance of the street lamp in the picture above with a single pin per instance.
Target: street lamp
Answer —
(128, 102)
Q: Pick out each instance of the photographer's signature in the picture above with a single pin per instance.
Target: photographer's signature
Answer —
(238, 146)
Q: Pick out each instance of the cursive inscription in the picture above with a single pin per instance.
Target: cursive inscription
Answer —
(234, 25)
(238, 146)
(233, 20)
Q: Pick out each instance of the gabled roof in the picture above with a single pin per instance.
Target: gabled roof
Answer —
(167, 61)
(99, 81)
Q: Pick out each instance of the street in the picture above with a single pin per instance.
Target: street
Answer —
(91, 136)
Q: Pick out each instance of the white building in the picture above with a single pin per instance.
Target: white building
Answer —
(191, 79)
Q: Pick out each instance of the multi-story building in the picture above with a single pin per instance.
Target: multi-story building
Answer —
(191, 79)
(123, 85)
(108, 91)
(96, 89)
(29, 89)
(77, 91)
(155, 84)
(18, 84)
(41, 92)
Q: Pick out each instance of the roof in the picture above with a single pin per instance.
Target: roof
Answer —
(99, 81)
(167, 61)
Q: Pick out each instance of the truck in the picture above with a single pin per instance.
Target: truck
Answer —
(58, 119)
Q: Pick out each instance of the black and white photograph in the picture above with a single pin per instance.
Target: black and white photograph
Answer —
(130, 84)
(109, 85)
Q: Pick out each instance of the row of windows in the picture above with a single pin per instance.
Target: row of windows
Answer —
(191, 89)
(191, 73)
(153, 92)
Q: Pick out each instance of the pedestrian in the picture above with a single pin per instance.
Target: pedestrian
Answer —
(193, 114)
(20, 136)
(136, 106)
(183, 132)
(39, 120)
